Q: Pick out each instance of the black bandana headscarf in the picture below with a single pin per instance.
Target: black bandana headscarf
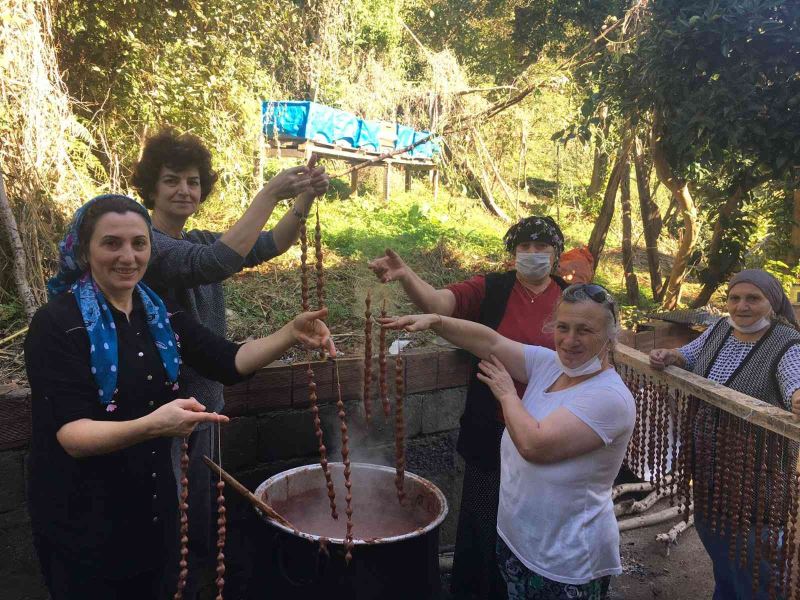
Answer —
(537, 229)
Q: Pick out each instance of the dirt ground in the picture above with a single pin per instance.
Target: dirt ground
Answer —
(648, 573)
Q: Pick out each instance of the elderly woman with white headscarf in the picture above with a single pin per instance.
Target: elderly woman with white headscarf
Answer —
(756, 351)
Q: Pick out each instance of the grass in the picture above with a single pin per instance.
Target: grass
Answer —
(444, 241)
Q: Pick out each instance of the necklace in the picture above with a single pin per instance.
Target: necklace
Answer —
(528, 294)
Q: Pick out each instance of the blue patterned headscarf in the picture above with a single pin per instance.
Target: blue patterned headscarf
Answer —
(98, 318)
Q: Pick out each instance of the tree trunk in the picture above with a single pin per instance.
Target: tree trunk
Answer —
(651, 219)
(480, 184)
(600, 163)
(17, 252)
(597, 239)
(631, 283)
(718, 269)
(680, 191)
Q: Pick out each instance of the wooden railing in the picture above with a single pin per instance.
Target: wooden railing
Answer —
(728, 458)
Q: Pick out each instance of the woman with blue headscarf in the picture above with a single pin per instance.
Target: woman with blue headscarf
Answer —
(103, 358)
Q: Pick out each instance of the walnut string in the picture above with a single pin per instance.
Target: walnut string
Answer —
(664, 445)
(725, 472)
(399, 439)
(748, 492)
(221, 518)
(719, 463)
(684, 456)
(368, 358)
(346, 461)
(658, 433)
(320, 269)
(735, 506)
(304, 265)
(761, 509)
(777, 521)
(384, 388)
(642, 418)
(651, 430)
(637, 429)
(792, 538)
(312, 385)
(184, 529)
(675, 420)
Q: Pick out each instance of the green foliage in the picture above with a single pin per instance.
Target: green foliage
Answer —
(722, 77)
(787, 275)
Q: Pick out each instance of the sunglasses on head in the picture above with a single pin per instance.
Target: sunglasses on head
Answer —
(595, 292)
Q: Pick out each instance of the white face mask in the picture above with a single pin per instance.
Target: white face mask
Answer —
(533, 265)
(762, 323)
(593, 365)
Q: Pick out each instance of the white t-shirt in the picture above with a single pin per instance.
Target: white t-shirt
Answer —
(558, 519)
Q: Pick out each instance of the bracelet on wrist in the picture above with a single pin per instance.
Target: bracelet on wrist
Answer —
(298, 214)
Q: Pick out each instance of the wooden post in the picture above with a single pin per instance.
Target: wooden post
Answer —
(354, 183)
(387, 181)
(435, 183)
(407, 171)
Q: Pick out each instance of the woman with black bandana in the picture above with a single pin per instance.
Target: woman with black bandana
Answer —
(517, 304)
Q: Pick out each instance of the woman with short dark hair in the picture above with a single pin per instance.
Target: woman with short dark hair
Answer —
(173, 177)
(104, 359)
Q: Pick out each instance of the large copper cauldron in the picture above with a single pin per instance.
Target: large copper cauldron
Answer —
(396, 547)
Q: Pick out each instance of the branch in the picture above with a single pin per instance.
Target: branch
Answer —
(654, 519)
(17, 252)
(384, 156)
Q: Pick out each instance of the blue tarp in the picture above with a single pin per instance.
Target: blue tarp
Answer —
(369, 135)
(317, 122)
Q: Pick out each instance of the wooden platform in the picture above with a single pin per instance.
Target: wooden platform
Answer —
(292, 147)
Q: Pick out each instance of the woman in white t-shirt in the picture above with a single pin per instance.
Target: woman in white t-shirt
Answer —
(563, 445)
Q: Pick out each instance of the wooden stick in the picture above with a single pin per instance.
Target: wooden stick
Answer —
(626, 488)
(647, 520)
(249, 496)
(13, 335)
(638, 507)
(383, 156)
(670, 538)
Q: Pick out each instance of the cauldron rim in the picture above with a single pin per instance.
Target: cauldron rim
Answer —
(443, 510)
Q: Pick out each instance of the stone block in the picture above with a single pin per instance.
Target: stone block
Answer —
(286, 434)
(239, 443)
(441, 410)
(270, 388)
(422, 369)
(236, 399)
(453, 369)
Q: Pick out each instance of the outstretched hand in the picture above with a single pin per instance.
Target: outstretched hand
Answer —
(180, 417)
(309, 330)
(294, 182)
(494, 374)
(389, 267)
(410, 322)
